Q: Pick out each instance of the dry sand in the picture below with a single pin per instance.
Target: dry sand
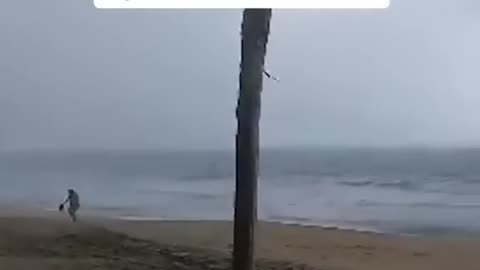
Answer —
(52, 242)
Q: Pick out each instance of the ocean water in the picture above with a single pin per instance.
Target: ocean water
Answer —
(413, 191)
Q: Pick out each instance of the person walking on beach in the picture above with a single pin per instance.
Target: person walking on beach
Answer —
(74, 200)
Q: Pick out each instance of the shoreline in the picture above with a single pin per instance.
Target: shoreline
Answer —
(138, 218)
(25, 209)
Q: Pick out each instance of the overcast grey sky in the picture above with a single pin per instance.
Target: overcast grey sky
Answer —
(76, 77)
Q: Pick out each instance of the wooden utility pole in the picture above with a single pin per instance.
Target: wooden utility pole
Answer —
(255, 31)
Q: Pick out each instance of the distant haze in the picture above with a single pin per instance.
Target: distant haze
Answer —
(73, 77)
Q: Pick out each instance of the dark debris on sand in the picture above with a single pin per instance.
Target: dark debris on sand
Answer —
(102, 249)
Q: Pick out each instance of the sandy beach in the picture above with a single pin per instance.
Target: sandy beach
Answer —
(50, 241)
